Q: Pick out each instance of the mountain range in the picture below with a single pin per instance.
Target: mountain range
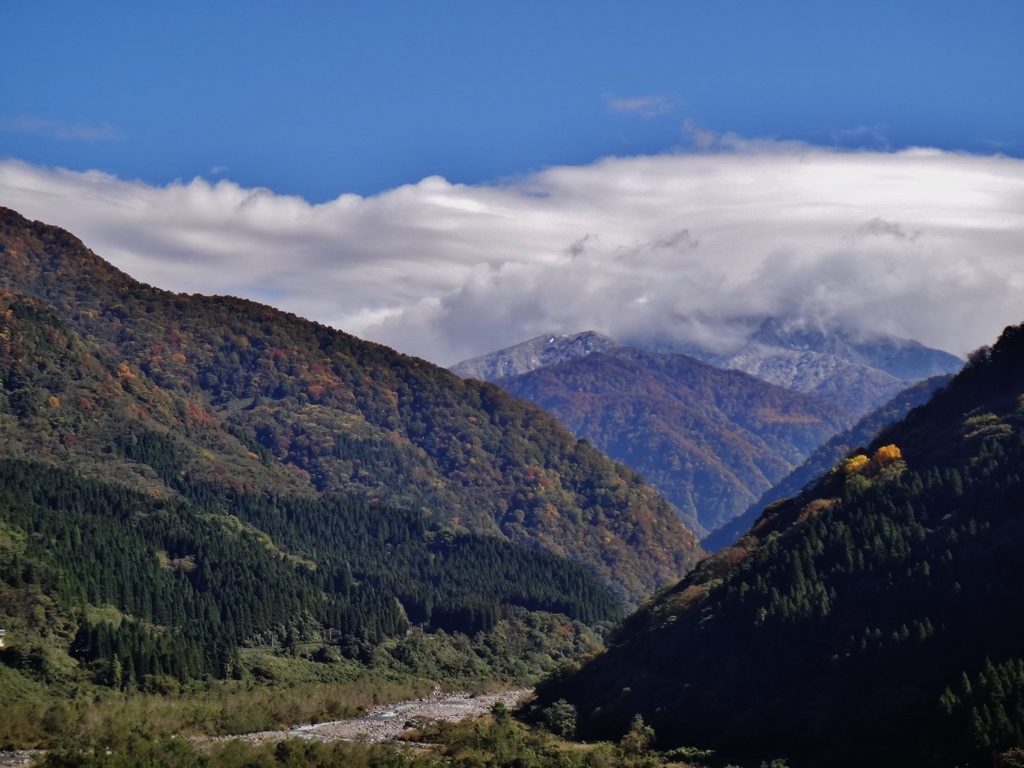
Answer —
(871, 618)
(710, 440)
(855, 371)
(711, 443)
(204, 497)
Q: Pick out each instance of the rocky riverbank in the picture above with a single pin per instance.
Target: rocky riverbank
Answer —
(389, 720)
(15, 758)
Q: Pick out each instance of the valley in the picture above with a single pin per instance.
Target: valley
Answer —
(511, 385)
(864, 620)
(218, 520)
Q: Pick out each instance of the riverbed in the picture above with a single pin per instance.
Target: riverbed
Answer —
(388, 720)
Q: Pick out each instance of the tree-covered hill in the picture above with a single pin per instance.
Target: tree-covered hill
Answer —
(139, 587)
(64, 400)
(268, 401)
(872, 619)
(710, 440)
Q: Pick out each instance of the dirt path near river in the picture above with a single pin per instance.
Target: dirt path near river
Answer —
(388, 720)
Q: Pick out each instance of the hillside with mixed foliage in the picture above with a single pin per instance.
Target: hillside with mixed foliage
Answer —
(872, 619)
(144, 551)
(711, 441)
(126, 382)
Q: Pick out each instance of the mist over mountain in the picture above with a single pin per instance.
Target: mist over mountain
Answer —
(679, 245)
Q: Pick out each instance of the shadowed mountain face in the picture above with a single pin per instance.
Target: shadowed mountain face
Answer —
(710, 440)
(246, 398)
(872, 619)
(826, 456)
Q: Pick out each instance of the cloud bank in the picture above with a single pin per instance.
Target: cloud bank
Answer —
(919, 243)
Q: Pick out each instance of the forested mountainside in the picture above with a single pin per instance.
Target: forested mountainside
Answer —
(157, 532)
(247, 398)
(711, 441)
(873, 619)
(826, 456)
(191, 584)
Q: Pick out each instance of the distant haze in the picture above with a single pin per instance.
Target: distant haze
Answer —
(920, 244)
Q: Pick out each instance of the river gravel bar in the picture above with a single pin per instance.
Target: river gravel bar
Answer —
(388, 720)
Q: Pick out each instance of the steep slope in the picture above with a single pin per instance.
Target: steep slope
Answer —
(342, 415)
(62, 398)
(872, 619)
(709, 440)
(826, 456)
(147, 550)
(532, 354)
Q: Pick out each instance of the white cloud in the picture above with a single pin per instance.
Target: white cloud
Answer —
(60, 130)
(701, 139)
(920, 243)
(645, 106)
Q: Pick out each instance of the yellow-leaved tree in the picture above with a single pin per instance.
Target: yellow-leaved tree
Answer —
(887, 454)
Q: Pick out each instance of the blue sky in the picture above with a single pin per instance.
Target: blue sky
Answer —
(321, 98)
(450, 178)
